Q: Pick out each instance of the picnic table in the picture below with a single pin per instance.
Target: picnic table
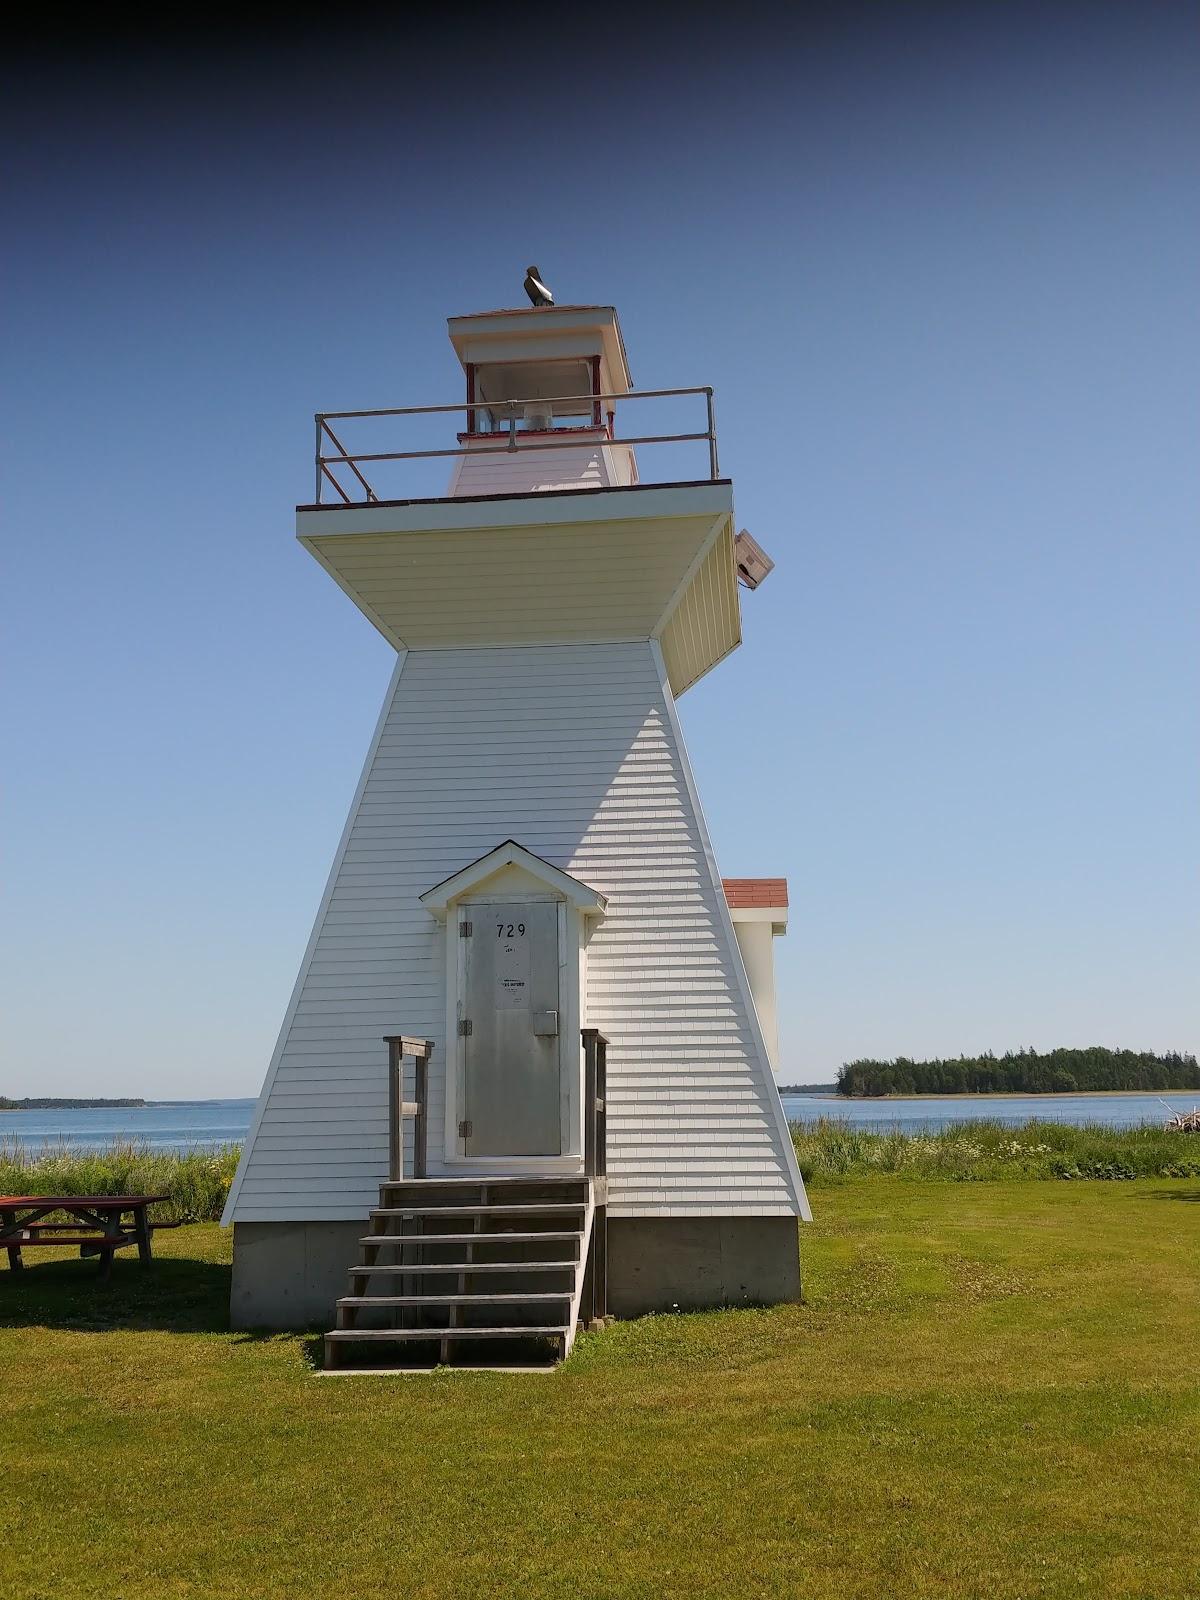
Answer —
(96, 1226)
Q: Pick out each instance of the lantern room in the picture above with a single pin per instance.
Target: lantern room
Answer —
(544, 382)
(551, 367)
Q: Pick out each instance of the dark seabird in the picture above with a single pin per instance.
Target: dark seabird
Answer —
(537, 291)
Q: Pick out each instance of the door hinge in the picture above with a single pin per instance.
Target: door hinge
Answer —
(465, 1129)
(465, 930)
(465, 1027)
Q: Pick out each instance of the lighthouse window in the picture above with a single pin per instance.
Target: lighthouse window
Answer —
(543, 394)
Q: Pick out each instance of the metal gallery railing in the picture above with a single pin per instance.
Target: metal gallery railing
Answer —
(513, 437)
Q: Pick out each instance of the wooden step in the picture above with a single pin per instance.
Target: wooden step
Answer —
(344, 1335)
(418, 1268)
(469, 1238)
(448, 1299)
(534, 1207)
(549, 1181)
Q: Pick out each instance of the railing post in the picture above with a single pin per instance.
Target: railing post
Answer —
(395, 1105)
(317, 456)
(600, 1136)
(714, 470)
(589, 1102)
(595, 1162)
(420, 1141)
(398, 1107)
(595, 1113)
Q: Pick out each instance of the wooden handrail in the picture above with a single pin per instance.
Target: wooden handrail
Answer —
(399, 1046)
(595, 1121)
(595, 1165)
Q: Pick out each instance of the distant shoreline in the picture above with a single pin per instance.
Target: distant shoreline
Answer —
(42, 1103)
(1005, 1094)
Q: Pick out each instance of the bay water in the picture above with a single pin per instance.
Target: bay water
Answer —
(179, 1125)
(931, 1113)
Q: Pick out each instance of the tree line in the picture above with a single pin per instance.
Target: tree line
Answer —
(1022, 1072)
(38, 1103)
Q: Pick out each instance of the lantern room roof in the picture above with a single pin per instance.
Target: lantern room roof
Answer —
(544, 333)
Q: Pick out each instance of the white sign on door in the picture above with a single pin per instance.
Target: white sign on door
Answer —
(512, 966)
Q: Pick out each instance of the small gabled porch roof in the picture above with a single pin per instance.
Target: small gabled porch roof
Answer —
(590, 902)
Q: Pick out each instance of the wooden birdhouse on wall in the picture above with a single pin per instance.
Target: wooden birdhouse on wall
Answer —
(525, 899)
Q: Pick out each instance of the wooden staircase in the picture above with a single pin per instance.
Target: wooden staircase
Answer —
(459, 1270)
(475, 1271)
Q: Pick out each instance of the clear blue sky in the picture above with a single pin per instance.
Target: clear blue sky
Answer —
(940, 265)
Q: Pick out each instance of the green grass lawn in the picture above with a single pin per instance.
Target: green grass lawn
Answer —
(992, 1390)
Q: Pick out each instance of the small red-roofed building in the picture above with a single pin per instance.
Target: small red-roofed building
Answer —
(759, 907)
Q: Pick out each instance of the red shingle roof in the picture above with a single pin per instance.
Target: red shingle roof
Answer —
(755, 891)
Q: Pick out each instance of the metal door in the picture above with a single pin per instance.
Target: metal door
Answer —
(509, 1012)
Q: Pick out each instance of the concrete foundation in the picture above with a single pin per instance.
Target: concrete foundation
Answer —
(694, 1263)
(290, 1274)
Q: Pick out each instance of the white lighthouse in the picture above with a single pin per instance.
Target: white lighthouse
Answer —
(525, 894)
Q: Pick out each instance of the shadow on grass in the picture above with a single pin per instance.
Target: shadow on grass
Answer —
(173, 1296)
(424, 1356)
(1175, 1194)
(309, 1341)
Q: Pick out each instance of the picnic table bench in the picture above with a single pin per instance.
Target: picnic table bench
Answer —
(96, 1226)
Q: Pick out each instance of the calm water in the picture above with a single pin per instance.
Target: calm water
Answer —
(163, 1125)
(943, 1111)
(189, 1124)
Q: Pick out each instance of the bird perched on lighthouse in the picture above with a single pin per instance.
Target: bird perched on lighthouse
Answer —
(537, 291)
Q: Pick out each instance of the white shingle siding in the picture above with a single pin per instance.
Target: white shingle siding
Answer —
(528, 470)
(574, 751)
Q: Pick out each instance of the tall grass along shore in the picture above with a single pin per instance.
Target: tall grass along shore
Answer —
(829, 1151)
(832, 1149)
(195, 1183)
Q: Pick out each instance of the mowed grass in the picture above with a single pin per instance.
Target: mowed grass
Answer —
(991, 1391)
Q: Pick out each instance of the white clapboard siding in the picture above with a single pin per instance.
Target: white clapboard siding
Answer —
(528, 470)
(574, 751)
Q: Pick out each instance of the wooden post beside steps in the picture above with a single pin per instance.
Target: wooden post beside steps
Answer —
(398, 1107)
(595, 1163)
